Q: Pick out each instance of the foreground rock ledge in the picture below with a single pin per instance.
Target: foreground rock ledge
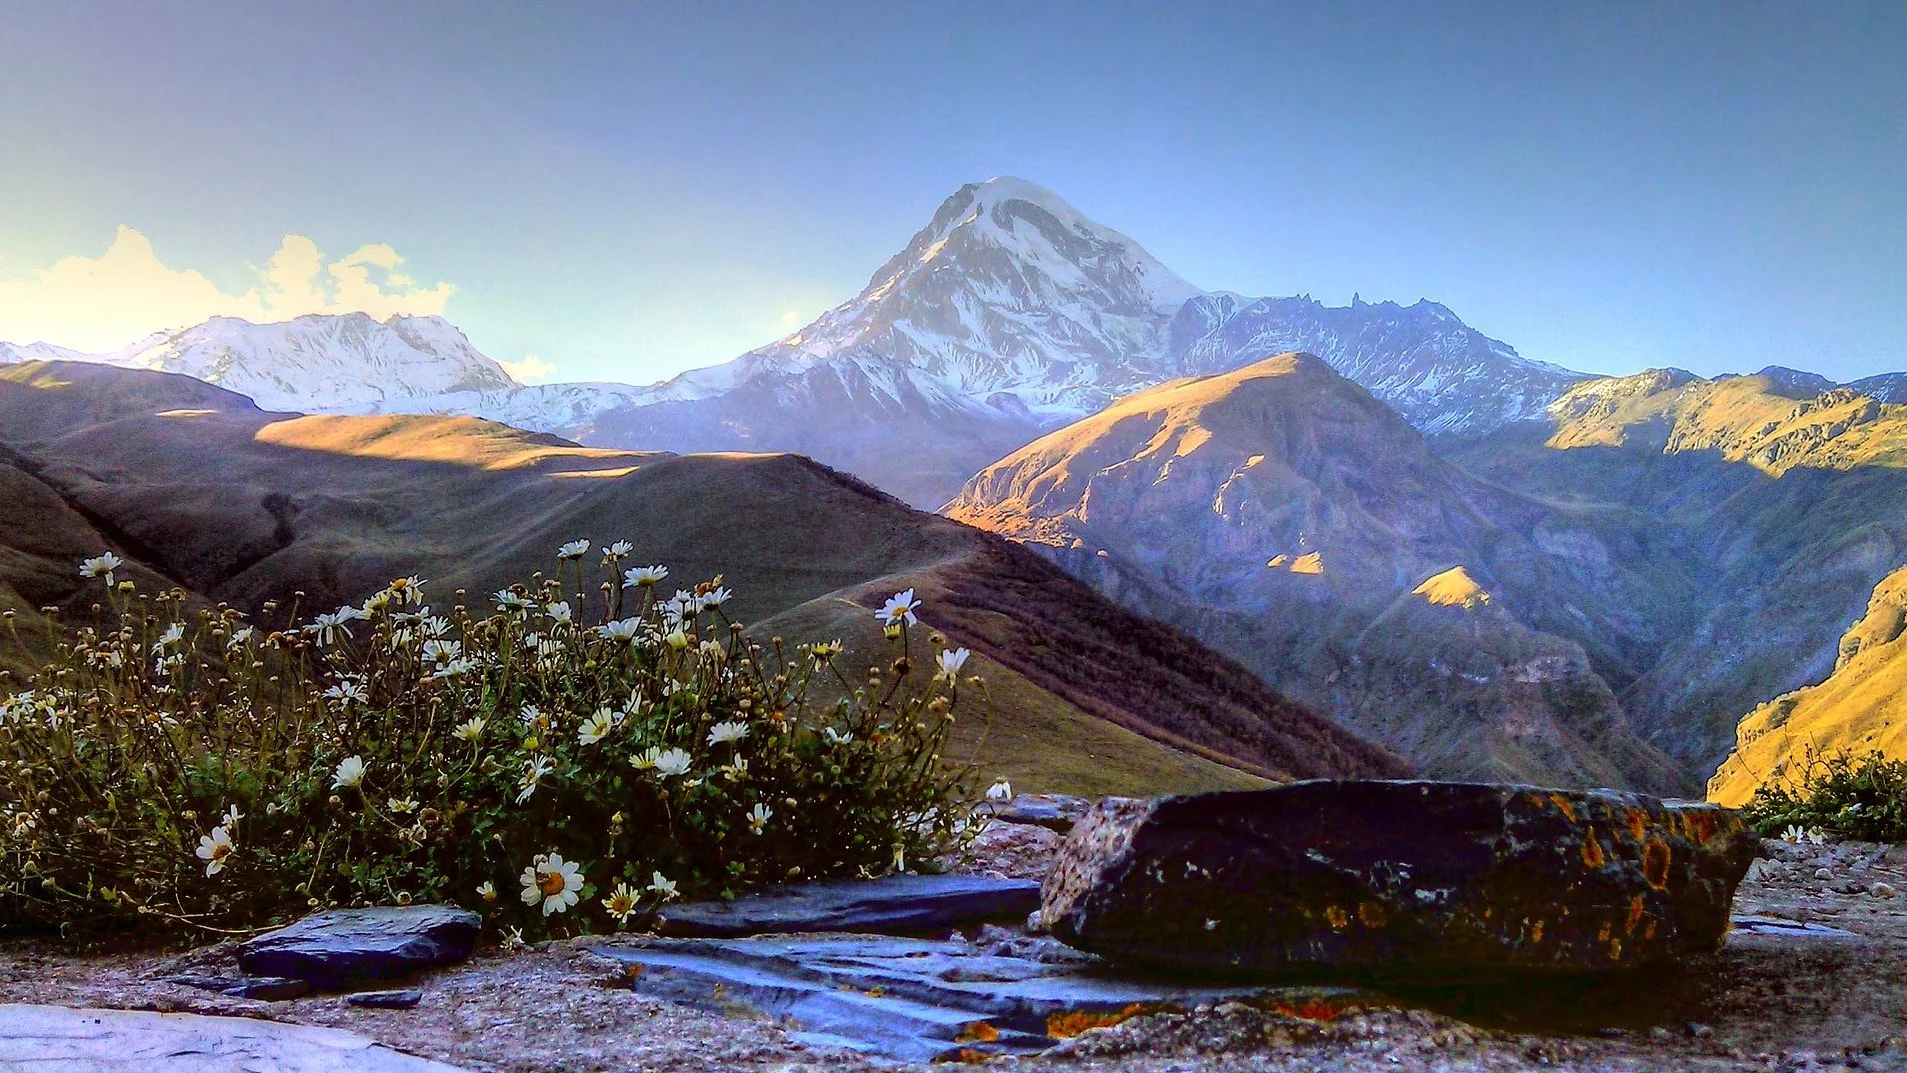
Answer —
(1412, 880)
(54, 1039)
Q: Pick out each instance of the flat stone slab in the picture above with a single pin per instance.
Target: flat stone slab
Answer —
(405, 999)
(57, 1039)
(1797, 929)
(263, 988)
(893, 905)
(914, 1000)
(1418, 881)
(346, 946)
(1058, 812)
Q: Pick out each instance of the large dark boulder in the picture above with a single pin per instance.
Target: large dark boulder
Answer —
(1411, 880)
(893, 905)
(351, 946)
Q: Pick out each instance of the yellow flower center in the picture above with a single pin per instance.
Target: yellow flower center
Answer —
(551, 884)
(220, 851)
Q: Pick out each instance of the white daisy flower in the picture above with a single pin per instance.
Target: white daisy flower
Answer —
(836, 737)
(408, 590)
(346, 692)
(240, 637)
(348, 774)
(487, 891)
(662, 886)
(559, 612)
(715, 597)
(671, 762)
(759, 816)
(437, 651)
(823, 651)
(531, 716)
(624, 630)
(726, 732)
(553, 881)
(101, 565)
(533, 771)
(596, 727)
(643, 576)
(899, 608)
(215, 849)
(1000, 791)
(470, 730)
(403, 806)
(622, 902)
(677, 640)
(172, 636)
(617, 552)
(511, 601)
(231, 817)
(461, 665)
(950, 663)
(575, 549)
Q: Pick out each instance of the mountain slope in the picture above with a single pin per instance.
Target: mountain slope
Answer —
(1284, 515)
(1788, 511)
(247, 506)
(1858, 709)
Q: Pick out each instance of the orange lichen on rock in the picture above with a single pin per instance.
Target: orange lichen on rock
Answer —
(1638, 824)
(1593, 857)
(1536, 932)
(1562, 804)
(1373, 914)
(1635, 915)
(1337, 917)
(978, 1032)
(1069, 1023)
(1311, 1009)
(1656, 857)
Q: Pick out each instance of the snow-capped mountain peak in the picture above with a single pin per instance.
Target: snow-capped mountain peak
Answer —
(315, 363)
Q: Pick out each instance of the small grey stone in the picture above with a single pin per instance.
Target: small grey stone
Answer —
(1824, 873)
(1882, 890)
(386, 1000)
(263, 988)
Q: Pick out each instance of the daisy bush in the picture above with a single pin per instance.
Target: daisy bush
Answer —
(564, 755)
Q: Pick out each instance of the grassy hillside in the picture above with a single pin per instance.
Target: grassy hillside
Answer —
(1784, 508)
(1860, 708)
(246, 507)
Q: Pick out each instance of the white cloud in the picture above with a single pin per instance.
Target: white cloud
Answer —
(127, 293)
(530, 370)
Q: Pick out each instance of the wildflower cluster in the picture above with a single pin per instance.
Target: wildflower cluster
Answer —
(1860, 798)
(556, 755)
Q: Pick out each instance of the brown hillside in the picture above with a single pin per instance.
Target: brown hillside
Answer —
(1282, 514)
(247, 506)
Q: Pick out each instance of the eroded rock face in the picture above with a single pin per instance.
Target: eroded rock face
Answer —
(55, 1039)
(357, 945)
(1398, 879)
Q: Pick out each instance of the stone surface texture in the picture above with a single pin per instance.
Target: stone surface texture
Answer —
(345, 946)
(911, 999)
(894, 905)
(1398, 879)
(58, 1039)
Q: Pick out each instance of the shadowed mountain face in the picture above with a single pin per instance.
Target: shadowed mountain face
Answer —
(241, 505)
(1282, 514)
(1786, 507)
(1860, 708)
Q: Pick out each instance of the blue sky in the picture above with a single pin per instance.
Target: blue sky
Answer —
(629, 190)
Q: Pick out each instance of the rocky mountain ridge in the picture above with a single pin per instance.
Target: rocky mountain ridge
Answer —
(1286, 516)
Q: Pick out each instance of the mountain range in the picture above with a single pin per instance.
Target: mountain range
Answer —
(1492, 565)
(1008, 315)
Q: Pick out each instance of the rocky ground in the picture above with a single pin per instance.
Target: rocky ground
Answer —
(1775, 998)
